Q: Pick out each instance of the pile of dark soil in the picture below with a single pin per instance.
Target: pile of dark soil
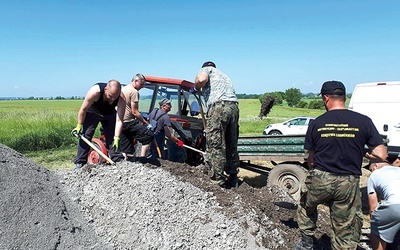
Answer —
(266, 106)
(133, 205)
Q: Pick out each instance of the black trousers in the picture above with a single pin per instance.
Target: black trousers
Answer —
(90, 124)
(134, 130)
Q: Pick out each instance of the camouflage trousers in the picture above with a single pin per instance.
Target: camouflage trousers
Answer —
(342, 195)
(222, 137)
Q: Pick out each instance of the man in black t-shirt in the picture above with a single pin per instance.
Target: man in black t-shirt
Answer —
(104, 103)
(335, 142)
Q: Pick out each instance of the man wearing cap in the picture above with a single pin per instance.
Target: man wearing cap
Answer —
(161, 124)
(222, 124)
(335, 142)
(134, 126)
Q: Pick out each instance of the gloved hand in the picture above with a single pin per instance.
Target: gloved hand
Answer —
(116, 143)
(179, 143)
(193, 90)
(77, 131)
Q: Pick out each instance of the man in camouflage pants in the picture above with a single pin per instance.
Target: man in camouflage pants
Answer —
(222, 127)
(335, 142)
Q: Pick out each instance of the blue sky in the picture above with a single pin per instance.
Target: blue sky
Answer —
(60, 48)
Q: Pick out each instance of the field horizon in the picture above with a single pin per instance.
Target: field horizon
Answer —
(40, 129)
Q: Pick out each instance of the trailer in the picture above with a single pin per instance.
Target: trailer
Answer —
(285, 153)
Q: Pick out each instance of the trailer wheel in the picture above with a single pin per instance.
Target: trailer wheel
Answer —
(93, 156)
(289, 177)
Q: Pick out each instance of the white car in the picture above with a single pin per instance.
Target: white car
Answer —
(295, 126)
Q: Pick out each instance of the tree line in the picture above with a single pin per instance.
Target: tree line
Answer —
(293, 98)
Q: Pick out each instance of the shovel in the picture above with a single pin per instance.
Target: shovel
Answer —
(158, 148)
(194, 149)
(191, 148)
(93, 147)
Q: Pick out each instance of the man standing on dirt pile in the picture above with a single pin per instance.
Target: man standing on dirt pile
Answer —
(335, 142)
(99, 106)
(161, 125)
(134, 126)
(222, 127)
(384, 202)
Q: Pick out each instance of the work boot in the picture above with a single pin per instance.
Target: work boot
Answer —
(306, 243)
(225, 185)
(233, 180)
(78, 166)
(219, 180)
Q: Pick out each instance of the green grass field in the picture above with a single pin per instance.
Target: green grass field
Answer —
(40, 129)
(251, 124)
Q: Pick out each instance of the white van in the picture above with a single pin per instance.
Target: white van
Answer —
(381, 102)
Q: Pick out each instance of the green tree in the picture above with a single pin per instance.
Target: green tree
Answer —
(279, 96)
(246, 96)
(310, 95)
(316, 104)
(293, 96)
(302, 104)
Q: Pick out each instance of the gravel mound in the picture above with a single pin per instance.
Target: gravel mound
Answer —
(33, 212)
(133, 205)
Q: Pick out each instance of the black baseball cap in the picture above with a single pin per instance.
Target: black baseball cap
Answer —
(208, 64)
(333, 88)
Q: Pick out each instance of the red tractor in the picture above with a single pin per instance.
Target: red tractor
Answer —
(187, 119)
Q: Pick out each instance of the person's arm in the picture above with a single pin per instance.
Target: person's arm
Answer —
(91, 96)
(201, 80)
(120, 114)
(169, 135)
(372, 202)
(172, 138)
(310, 159)
(396, 163)
(136, 113)
(378, 152)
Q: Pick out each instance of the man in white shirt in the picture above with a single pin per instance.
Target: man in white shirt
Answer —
(384, 202)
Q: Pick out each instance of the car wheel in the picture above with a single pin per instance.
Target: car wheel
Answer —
(275, 132)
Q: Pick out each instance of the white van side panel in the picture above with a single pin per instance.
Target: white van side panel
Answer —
(381, 102)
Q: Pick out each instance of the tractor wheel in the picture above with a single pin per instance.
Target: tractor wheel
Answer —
(289, 177)
(94, 157)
